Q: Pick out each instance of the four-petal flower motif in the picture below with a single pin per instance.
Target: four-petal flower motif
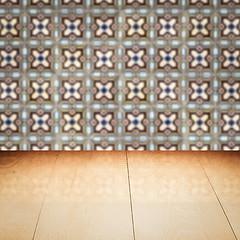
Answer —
(136, 27)
(66, 2)
(104, 90)
(199, 122)
(72, 58)
(226, 147)
(231, 122)
(199, 148)
(171, 147)
(199, 91)
(135, 58)
(109, 2)
(204, 2)
(231, 58)
(104, 27)
(72, 27)
(72, 122)
(9, 90)
(104, 59)
(231, 26)
(199, 58)
(9, 1)
(40, 90)
(167, 58)
(9, 27)
(104, 122)
(45, 147)
(167, 26)
(230, 1)
(136, 90)
(8, 122)
(40, 122)
(76, 147)
(167, 90)
(71, 90)
(139, 147)
(140, 2)
(41, 58)
(35, 2)
(167, 122)
(40, 26)
(11, 147)
(231, 91)
(199, 27)
(99, 147)
(174, 2)
(135, 122)
(9, 58)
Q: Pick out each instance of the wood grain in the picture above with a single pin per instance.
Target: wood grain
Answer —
(84, 195)
(172, 198)
(88, 198)
(24, 180)
(223, 171)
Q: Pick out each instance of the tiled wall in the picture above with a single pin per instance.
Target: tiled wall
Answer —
(119, 74)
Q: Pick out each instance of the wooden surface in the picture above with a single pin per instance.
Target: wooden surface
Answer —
(111, 195)
(223, 171)
(172, 198)
(89, 194)
(23, 182)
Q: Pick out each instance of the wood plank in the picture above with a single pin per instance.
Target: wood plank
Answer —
(223, 171)
(172, 198)
(88, 198)
(24, 178)
(7, 161)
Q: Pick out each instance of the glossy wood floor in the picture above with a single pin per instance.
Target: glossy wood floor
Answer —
(119, 195)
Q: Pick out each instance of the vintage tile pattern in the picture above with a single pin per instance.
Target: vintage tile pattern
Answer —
(119, 74)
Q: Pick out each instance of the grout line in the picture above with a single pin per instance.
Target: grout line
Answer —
(35, 230)
(217, 198)
(130, 197)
